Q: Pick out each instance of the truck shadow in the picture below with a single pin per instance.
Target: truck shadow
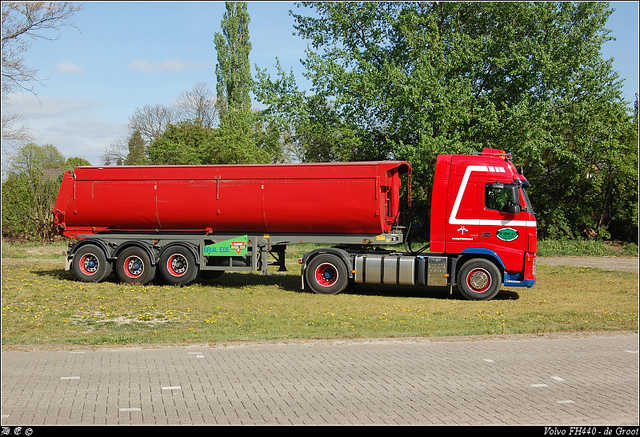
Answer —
(292, 283)
(419, 292)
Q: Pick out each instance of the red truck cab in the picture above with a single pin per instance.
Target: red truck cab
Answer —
(480, 207)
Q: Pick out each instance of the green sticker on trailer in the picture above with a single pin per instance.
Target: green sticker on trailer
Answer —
(233, 247)
(507, 234)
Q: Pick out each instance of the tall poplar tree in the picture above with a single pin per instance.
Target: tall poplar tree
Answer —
(233, 70)
(235, 139)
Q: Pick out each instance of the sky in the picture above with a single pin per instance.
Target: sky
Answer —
(129, 54)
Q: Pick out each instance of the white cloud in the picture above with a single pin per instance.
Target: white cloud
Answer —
(74, 125)
(173, 65)
(69, 68)
(34, 107)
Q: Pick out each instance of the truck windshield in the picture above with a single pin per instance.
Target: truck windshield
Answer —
(528, 206)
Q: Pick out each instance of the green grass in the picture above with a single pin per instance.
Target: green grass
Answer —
(43, 304)
(586, 248)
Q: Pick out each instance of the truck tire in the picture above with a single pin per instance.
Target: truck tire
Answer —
(327, 274)
(134, 266)
(178, 266)
(90, 264)
(479, 279)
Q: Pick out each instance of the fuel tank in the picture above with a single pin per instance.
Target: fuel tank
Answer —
(343, 198)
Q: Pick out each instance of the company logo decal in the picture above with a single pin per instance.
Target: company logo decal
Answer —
(507, 234)
(232, 247)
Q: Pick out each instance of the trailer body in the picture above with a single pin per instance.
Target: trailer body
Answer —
(190, 221)
(337, 198)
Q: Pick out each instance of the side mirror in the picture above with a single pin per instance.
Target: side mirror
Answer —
(515, 206)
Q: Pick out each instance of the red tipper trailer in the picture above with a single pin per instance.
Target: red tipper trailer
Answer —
(336, 198)
(198, 221)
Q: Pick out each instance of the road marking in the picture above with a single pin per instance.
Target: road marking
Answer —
(557, 378)
(539, 385)
(130, 409)
(489, 361)
(172, 388)
(567, 401)
(77, 352)
(632, 352)
(69, 377)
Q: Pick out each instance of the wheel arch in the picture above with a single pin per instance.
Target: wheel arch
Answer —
(475, 253)
(150, 251)
(100, 243)
(185, 245)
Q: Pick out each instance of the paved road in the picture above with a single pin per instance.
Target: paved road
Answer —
(518, 379)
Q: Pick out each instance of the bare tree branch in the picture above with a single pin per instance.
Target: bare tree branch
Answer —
(151, 120)
(199, 103)
(22, 21)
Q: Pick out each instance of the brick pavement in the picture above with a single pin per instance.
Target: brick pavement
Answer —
(552, 380)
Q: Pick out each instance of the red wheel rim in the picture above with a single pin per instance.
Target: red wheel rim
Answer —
(479, 280)
(89, 264)
(326, 274)
(133, 267)
(177, 265)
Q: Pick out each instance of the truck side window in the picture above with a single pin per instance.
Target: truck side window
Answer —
(498, 198)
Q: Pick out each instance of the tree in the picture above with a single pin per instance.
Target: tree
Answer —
(233, 70)
(240, 131)
(17, 199)
(32, 160)
(136, 146)
(22, 21)
(75, 161)
(116, 151)
(185, 143)
(189, 143)
(30, 191)
(413, 80)
(198, 105)
(310, 129)
(151, 120)
(285, 112)
(235, 140)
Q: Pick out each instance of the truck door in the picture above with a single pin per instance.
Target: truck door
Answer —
(466, 229)
(503, 223)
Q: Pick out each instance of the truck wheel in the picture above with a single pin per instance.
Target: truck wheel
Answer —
(178, 266)
(479, 279)
(326, 274)
(134, 266)
(90, 264)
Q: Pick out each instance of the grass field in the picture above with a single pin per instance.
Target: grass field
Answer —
(44, 304)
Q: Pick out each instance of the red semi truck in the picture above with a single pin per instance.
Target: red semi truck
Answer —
(183, 222)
